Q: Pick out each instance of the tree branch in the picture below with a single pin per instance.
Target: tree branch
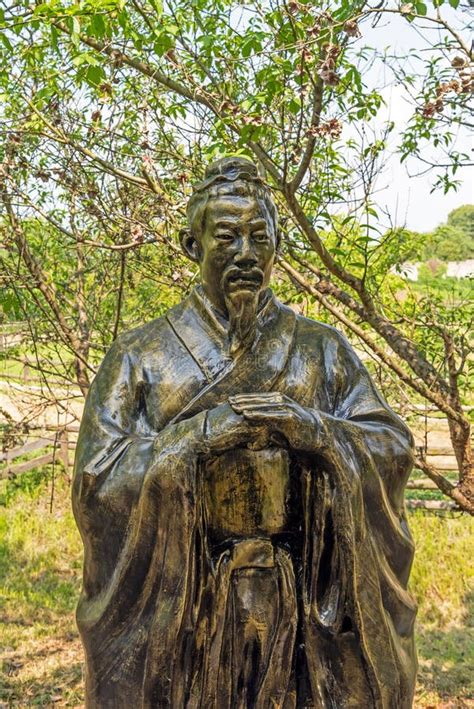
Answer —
(310, 145)
(382, 354)
(399, 343)
(445, 486)
(41, 282)
(437, 20)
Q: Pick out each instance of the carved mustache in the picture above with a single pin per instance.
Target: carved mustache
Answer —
(252, 275)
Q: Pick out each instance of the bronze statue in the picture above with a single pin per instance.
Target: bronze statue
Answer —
(239, 491)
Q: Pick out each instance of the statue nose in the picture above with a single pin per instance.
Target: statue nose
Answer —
(246, 254)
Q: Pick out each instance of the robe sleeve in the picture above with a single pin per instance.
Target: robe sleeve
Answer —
(134, 500)
(360, 412)
(359, 549)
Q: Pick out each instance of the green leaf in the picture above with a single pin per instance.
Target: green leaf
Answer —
(85, 58)
(54, 38)
(337, 251)
(6, 41)
(43, 8)
(75, 28)
(95, 75)
(247, 48)
(162, 44)
(421, 8)
(294, 106)
(251, 44)
(98, 26)
(76, 25)
(157, 6)
(347, 220)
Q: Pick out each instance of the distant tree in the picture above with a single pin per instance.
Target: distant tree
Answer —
(463, 218)
(453, 241)
(403, 245)
(448, 243)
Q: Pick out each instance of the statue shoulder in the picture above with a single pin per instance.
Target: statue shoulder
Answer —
(316, 334)
(141, 337)
(132, 345)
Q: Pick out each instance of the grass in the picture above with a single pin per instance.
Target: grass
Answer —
(12, 368)
(40, 569)
(442, 581)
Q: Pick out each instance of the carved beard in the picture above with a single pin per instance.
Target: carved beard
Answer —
(242, 311)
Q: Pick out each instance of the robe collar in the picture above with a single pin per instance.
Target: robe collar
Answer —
(210, 348)
(203, 333)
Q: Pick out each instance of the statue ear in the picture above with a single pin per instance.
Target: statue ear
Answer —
(190, 245)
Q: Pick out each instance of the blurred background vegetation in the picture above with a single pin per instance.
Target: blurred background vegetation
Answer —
(109, 111)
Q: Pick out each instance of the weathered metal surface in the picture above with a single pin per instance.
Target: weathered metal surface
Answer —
(239, 489)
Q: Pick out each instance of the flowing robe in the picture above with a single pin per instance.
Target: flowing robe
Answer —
(154, 610)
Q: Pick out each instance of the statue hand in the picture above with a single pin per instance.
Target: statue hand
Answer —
(226, 429)
(301, 427)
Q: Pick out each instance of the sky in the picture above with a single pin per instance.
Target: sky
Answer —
(408, 199)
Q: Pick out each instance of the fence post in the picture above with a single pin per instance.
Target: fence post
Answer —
(64, 450)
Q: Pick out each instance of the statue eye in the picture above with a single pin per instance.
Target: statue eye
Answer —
(260, 236)
(224, 235)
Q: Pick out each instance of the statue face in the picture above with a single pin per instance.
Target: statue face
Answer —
(236, 248)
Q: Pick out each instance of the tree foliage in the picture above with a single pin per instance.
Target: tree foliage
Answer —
(113, 108)
(449, 243)
(453, 241)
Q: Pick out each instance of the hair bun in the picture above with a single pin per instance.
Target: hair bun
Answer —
(231, 168)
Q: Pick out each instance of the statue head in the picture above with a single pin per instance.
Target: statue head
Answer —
(233, 230)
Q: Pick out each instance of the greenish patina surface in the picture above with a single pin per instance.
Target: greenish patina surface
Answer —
(239, 491)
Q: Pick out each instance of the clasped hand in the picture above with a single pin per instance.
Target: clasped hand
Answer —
(263, 419)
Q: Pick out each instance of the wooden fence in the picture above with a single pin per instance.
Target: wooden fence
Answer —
(432, 441)
(52, 445)
(59, 444)
(443, 459)
(11, 334)
(27, 372)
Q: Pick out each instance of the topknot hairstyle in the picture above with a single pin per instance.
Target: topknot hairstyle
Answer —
(228, 176)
